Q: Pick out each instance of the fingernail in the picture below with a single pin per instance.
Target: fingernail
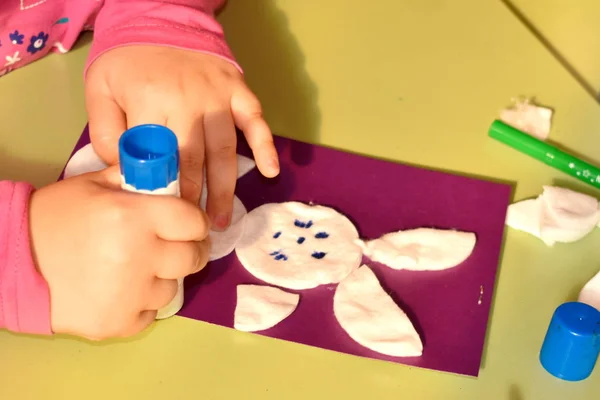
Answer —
(222, 221)
(274, 164)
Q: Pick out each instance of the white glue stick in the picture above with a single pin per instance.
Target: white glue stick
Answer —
(149, 162)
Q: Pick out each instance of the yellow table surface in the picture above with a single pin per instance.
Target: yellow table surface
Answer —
(572, 31)
(415, 81)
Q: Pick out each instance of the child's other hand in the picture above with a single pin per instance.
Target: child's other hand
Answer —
(199, 96)
(111, 258)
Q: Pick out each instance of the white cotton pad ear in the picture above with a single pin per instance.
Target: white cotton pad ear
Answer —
(83, 161)
(590, 294)
(262, 307)
(557, 215)
(298, 246)
(372, 319)
(244, 165)
(422, 249)
(223, 243)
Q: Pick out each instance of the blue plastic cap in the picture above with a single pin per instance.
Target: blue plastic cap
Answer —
(572, 343)
(149, 157)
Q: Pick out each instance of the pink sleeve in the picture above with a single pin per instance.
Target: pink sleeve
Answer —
(185, 24)
(24, 295)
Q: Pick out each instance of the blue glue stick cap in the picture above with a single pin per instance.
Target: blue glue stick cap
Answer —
(149, 157)
(572, 343)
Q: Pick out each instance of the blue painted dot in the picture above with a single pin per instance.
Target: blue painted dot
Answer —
(274, 253)
(322, 235)
(309, 224)
(299, 224)
(275, 236)
(279, 257)
(301, 240)
(318, 254)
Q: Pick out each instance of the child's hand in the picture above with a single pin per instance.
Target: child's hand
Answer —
(200, 97)
(111, 258)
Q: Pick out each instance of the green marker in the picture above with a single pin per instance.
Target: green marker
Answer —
(545, 153)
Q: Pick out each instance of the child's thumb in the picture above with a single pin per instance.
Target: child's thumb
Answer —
(110, 177)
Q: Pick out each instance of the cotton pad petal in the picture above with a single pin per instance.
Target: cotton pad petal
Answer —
(372, 319)
(422, 249)
(262, 307)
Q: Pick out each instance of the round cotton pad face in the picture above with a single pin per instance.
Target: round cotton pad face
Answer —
(83, 161)
(223, 243)
(298, 246)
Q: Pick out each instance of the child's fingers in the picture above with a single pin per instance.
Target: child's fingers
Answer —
(221, 166)
(190, 134)
(174, 219)
(107, 122)
(162, 292)
(247, 113)
(180, 259)
(143, 321)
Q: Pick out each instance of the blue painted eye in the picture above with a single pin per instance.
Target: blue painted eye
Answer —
(301, 240)
(318, 254)
(276, 235)
(301, 224)
(322, 235)
(278, 255)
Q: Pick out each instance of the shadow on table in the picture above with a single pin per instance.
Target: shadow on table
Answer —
(274, 67)
(514, 393)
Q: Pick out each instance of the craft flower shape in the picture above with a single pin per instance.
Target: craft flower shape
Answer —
(37, 42)
(16, 37)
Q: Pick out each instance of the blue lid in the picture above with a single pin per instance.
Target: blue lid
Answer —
(149, 157)
(572, 343)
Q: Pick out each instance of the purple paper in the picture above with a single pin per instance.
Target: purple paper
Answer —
(449, 308)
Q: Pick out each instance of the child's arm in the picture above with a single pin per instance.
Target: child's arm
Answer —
(24, 295)
(186, 24)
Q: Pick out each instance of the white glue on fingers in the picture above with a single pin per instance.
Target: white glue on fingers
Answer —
(149, 162)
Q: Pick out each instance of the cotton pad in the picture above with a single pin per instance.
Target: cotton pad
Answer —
(422, 249)
(83, 161)
(262, 307)
(298, 246)
(222, 243)
(244, 165)
(590, 294)
(529, 118)
(557, 215)
(372, 319)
